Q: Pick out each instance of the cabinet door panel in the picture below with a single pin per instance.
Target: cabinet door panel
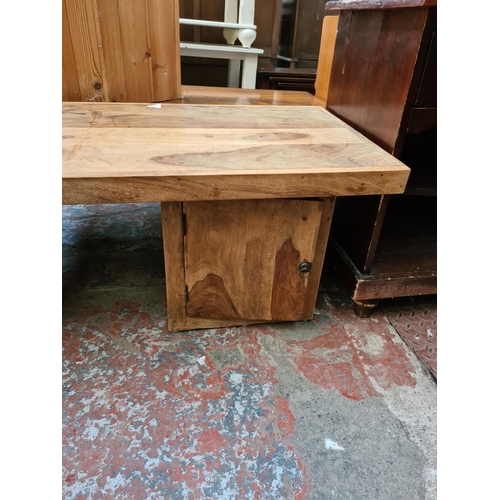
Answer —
(241, 258)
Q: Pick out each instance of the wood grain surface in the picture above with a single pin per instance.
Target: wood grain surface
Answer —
(373, 68)
(242, 257)
(120, 50)
(173, 247)
(115, 152)
(194, 94)
(325, 57)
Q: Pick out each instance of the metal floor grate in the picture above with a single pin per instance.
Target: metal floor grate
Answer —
(415, 320)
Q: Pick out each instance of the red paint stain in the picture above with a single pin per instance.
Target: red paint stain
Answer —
(70, 478)
(153, 410)
(346, 362)
(210, 441)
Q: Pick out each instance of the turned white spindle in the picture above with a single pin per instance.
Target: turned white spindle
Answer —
(247, 37)
(246, 16)
(230, 34)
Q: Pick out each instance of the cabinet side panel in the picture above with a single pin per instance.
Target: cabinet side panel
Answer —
(319, 256)
(373, 66)
(173, 248)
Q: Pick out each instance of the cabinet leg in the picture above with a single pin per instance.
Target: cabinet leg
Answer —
(363, 308)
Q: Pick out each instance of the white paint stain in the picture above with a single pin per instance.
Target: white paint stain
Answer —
(201, 360)
(332, 445)
(150, 463)
(158, 106)
(277, 481)
(91, 433)
(265, 389)
(113, 483)
(236, 378)
(239, 408)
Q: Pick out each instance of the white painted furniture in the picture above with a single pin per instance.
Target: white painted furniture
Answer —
(238, 25)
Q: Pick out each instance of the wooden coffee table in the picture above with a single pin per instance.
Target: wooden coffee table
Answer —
(247, 195)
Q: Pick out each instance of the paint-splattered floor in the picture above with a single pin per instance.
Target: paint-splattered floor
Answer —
(338, 407)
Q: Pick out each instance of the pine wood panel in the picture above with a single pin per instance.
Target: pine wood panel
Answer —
(87, 63)
(70, 85)
(242, 257)
(120, 50)
(164, 39)
(135, 47)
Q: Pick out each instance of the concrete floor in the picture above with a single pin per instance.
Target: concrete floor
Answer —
(335, 408)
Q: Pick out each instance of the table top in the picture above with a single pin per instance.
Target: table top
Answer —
(196, 94)
(129, 152)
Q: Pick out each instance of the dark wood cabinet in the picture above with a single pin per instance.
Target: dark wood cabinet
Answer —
(383, 83)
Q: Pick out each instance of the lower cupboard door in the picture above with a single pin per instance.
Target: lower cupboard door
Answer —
(252, 260)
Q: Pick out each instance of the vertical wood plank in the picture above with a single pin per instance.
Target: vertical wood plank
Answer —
(325, 58)
(163, 18)
(186, 12)
(355, 221)
(121, 50)
(173, 250)
(135, 49)
(196, 15)
(275, 38)
(82, 28)
(212, 11)
(100, 49)
(110, 36)
(70, 87)
(267, 18)
(319, 257)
